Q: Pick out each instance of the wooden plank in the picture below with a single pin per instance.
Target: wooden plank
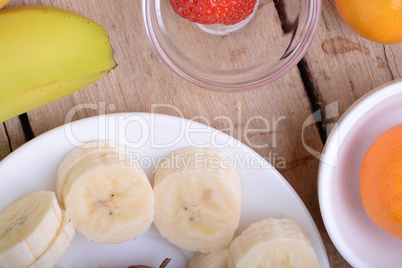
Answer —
(141, 80)
(4, 143)
(343, 66)
(11, 136)
(15, 133)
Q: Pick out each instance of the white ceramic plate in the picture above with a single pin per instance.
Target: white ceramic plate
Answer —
(357, 238)
(150, 137)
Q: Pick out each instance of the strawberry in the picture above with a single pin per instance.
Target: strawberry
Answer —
(226, 12)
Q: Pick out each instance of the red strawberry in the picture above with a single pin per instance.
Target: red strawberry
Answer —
(227, 12)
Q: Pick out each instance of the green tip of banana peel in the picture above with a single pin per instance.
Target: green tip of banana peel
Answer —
(47, 53)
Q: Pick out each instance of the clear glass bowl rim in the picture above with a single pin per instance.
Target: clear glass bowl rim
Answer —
(314, 13)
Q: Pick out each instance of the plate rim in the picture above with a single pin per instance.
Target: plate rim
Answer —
(346, 121)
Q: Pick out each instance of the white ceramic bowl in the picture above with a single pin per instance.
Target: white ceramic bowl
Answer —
(360, 241)
(232, 59)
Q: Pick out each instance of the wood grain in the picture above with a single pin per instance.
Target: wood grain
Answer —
(4, 142)
(15, 133)
(11, 136)
(276, 112)
(344, 66)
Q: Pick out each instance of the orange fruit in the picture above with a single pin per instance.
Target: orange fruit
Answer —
(3, 3)
(381, 181)
(376, 20)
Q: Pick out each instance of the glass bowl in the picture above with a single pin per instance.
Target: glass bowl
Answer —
(250, 54)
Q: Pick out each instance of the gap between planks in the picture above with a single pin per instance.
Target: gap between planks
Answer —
(314, 98)
(312, 93)
(8, 137)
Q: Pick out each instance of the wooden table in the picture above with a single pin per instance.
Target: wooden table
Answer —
(339, 67)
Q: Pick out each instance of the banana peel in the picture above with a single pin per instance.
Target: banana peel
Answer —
(47, 53)
(4, 2)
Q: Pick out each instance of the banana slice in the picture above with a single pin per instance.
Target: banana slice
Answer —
(86, 152)
(272, 243)
(59, 246)
(27, 228)
(215, 259)
(107, 200)
(208, 161)
(197, 200)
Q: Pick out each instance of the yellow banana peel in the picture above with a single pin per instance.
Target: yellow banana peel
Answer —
(47, 53)
(3, 3)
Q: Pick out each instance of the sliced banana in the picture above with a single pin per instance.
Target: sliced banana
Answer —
(28, 227)
(58, 247)
(215, 259)
(108, 200)
(207, 161)
(197, 201)
(86, 152)
(272, 243)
